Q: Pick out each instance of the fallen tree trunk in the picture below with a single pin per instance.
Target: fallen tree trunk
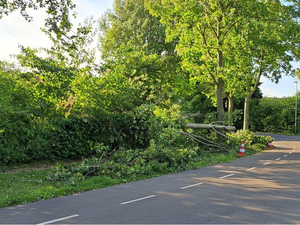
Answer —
(209, 126)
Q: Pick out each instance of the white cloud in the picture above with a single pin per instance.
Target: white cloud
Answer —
(16, 30)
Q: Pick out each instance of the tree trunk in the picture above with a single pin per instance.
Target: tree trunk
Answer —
(230, 110)
(220, 81)
(220, 108)
(209, 126)
(246, 112)
(249, 96)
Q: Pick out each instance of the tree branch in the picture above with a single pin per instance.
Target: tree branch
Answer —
(210, 143)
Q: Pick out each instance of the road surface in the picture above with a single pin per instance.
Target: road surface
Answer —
(261, 189)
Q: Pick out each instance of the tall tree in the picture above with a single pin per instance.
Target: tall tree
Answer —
(215, 41)
(134, 42)
(271, 45)
(131, 23)
(205, 35)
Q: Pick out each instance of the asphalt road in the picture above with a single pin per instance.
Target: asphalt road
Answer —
(261, 189)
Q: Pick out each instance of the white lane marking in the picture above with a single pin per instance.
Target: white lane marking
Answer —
(251, 168)
(290, 152)
(136, 200)
(57, 220)
(266, 163)
(229, 175)
(193, 185)
(285, 155)
(277, 159)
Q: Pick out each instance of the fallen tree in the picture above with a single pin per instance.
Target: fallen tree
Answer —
(210, 126)
(218, 127)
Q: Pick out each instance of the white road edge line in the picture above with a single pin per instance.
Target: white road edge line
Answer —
(267, 163)
(285, 155)
(251, 168)
(57, 220)
(229, 175)
(193, 185)
(277, 159)
(290, 152)
(136, 200)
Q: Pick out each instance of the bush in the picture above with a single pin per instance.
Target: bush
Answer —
(249, 137)
(26, 137)
(273, 115)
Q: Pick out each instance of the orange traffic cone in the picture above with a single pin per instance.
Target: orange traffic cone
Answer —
(242, 149)
(270, 145)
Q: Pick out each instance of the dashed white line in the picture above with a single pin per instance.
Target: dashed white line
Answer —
(285, 156)
(290, 152)
(266, 163)
(251, 168)
(136, 200)
(277, 159)
(229, 175)
(57, 220)
(193, 185)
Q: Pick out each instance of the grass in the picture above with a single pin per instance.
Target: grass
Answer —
(29, 186)
(23, 185)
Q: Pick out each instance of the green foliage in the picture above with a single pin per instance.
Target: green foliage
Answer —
(126, 113)
(130, 26)
(154, 129)
(170, 153)
(133, 45)
(24, 138)
(240, 136)
(110, 167)
(249, 138)
(72, 137)
(274, 115)
(228, 50)
(129, 163)
(237, 116)
(264, 140)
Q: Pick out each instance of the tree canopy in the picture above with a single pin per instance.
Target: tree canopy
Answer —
(221, 42)
(134, 41)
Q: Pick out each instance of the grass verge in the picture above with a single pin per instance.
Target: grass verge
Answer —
(28, 185)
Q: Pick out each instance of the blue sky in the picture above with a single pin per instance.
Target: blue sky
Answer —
(14, 30)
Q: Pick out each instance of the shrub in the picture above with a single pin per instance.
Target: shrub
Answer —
(249, 137)
(273, 115)
(240, 135)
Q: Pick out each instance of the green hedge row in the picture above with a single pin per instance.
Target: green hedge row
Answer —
(273, 115)
(25, 137)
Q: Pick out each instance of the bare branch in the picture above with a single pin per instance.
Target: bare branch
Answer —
(190, 115)
(208, 143)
